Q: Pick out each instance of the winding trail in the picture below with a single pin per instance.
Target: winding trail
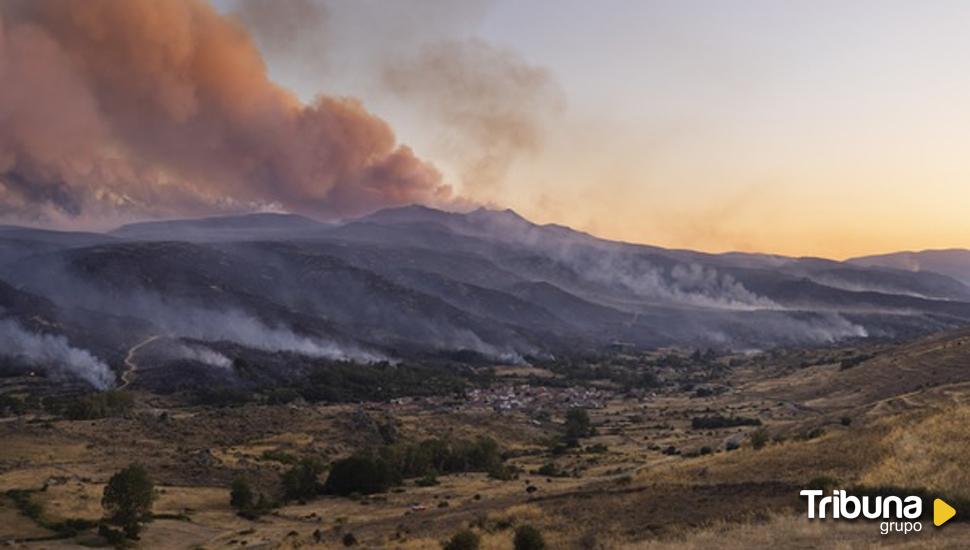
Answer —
(126, 376)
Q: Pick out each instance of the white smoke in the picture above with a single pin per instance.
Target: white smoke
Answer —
(464, 339)
(689, 284)
(53, 352)
(204, 355)
(243, 329)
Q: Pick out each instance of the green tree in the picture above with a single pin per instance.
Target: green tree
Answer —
(577, 423)
(128, 499)
(362, 474)
(241, 495)
(301, 481)
(465, 539)
(528, 537)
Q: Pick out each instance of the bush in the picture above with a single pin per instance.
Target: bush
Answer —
(362, 474)
(387, 466)
(245, 501)
(98, 405)
(718, 421)
(222, 396)
(463, 540)
(241, 495)
(128, 499)
(528, 537)
(854, 361)
(114, 537)
(598, 448)
(577, 423)
(846, 421)
(814, 433)
(760, 438)
(300, 481)
(12, 404)
(549, 469)
(824, 483)
(282, 457)
(429, 480)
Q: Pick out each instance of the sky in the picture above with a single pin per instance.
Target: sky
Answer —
(818, 127)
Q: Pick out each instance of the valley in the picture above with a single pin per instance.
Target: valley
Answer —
(718, 444)
(478, 372)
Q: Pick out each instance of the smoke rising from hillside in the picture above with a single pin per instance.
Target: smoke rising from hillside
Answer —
(54, 353)
(203, 355)
(140, 108)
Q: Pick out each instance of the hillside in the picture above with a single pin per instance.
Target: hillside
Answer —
(419, 283)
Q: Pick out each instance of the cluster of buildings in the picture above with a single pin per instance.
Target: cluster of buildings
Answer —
(524, 396)
(513, 397)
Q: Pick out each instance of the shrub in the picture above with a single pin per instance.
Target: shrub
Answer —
(759, 438)
(463, 540)
(577, 423)
(718, 421)
(241, 495)
(12, 404)
(282, 457)
(300, 481)
(387, 466)
(528, 537)
(429, 480)
(128, 499)
(824, 483)
(814, 433)
(114, 537)
(222, 396)
(854, 361)
(362, 474)
(245, 501)
(846, 421)
(549, 469)
(98, 405)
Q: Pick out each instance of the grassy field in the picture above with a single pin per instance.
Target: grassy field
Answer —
(647, 478)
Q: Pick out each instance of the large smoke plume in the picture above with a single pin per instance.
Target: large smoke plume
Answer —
(138, 108)
(492, 102)
(484, 107)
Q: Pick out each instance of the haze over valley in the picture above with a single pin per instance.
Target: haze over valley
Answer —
(413, 282)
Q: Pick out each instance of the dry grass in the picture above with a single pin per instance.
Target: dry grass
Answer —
(842, 454)
(797, 532)
(931, 452)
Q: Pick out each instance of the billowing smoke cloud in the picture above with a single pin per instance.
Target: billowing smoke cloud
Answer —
(53, 352)
(150, 108)
(484, 106)
(493, 103)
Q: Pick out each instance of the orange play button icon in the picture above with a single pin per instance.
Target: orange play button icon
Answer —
(942, 512)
